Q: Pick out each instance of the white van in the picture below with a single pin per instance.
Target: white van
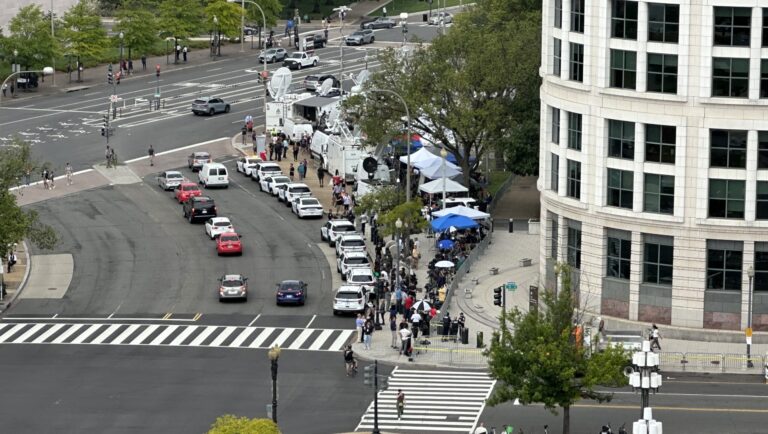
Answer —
(213, 175)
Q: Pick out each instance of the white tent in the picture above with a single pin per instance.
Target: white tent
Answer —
(420, 158)
(462, 211)
(437, 186)
(438, 169)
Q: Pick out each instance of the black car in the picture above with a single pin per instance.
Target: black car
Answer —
(199, 207)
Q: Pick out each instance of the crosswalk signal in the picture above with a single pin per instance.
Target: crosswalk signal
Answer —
(368, 375)
(157, 70)
(498, 296)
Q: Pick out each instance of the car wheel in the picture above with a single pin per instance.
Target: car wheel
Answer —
(211, 112)
(314, 63)
(344, 277)
(335, 312)
(298, 66)
(226, 109)
(372, 39)
(191, 219)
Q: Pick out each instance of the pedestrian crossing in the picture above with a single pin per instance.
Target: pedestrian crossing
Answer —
(435, 401)
(174, 335)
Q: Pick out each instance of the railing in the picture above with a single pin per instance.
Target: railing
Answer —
(712, 363)
(448, 352)
(474, 254)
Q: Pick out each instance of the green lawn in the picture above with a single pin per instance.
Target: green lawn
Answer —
(396, 6)
(315, 9)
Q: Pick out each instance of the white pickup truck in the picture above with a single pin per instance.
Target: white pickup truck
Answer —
(300, 59)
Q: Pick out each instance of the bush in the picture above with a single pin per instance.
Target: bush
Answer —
(231, 424)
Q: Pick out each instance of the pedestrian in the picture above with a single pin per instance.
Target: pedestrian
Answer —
(295, 152)
(44, 176)
(367, 334)
(130, 66)
(415, 324)
(271, 148)
(405, 338)
(108, 155)
(151, 154)
(480, 429)
(302, 170)
(655, 337)
(291, 171)
(400, 403)
(285, 147)
(393, 329)
(359, 326)
(5, 89)
(184, 50)
(11, 261)
(415, 256)
(68, 172)
(178, 52)
(51, 178)
(320, 175)
(143, 62)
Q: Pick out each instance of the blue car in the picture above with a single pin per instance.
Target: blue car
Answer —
(291, 292)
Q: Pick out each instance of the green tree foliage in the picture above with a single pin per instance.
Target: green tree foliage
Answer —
(18, 224)
(407, 212)
(139, 28)
(181, 19)
(230, 424)
(82, 33)
(381, 199)
(30, 35)
(228, 14)
(536, 358)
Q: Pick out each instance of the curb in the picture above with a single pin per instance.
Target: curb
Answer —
(23, 282)
(361, 356)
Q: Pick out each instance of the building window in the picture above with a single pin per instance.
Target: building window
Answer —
(765, 27)
(763, 78)
(623, 69)
(555, 235)
(762, 149)
(555, 125)
(618, 255)
(662, 73)
(624, 19)
(663, 22)
(660, 143)
(659, 194)
(621, 139)
(554, 173)
(728, 148)
(724, 265)
(577, 16)
(574, 179)
(761, 268)
(574, 131)
(657, 263)
(732, 26)
(761, 208)
(730, 77)
(726, 198)
(557, 56)
(559, 14)
(576, 72)
(574, 247)
(620, 186)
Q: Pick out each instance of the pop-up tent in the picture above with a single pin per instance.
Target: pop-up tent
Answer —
(442, 184)
(462, 211)
(457, 221)
(420, 158)
(439, 169)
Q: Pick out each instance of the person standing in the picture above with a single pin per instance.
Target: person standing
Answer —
(51, 178)
(143, 62)
(320, 175)
(302, 171)
(11, 261)
(393, 329)
(130, 66)
(367, 334)
(108, 156)
(184, 51)
(44, 176)
(655, 336)
(415, 324)
(359, 326)
(68, 172)
(151, 154)
(291, 171)
(405, 338)
(400, 403)
(5, 89)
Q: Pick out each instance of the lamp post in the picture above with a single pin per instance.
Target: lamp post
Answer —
(444, 154)
(216, 38)
(53, 58)
(274, 355)
(342, 10)
(404, 25)
(15, 67)
(264, 74)
(45, 71)
(399, 226)
(121, 35)
(751, 274)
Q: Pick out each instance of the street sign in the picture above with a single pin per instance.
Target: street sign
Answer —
(113, 98)
(511, 286)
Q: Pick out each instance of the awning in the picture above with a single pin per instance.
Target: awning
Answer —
(438, 185)
(317, 101)
(462, 211)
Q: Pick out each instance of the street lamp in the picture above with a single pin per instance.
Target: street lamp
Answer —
(444, 154)
(342, 10)
(16, 67)
(274, 355)
(121, 35)
(751, 274)
(216, 38)
(264, 74)
(45, 71)
(404, 25)
(399, 226)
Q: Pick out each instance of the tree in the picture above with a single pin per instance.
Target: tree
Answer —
(228, 15)
(382, 199)
(15, 161)
(409, 213)
(30, 35)
(139, 29)
(180, 19)
(231, 424)
(82, 33)
(537, 358)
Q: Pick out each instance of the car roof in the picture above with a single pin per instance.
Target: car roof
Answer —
(355, 254)
(172, 172)
(232, 277)
(296, 184)
(199, 153)
(348, 288)
(290, 282)
(310, 197)
(201, 198)
(268, 164)
(214, 164)
(341, 223)
(361, 271)
(218, 219)
(351, 236)
(232, 234)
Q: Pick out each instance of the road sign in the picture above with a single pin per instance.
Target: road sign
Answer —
(113, 98)
(511, 286)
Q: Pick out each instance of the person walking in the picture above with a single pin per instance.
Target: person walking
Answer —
(320, 175)
(68, 172)
(44, 176)
(12, 258)
(405, 338)
(400, 403)
(367, 334)
(151, 154)
(143, 62)
(415, 324)
(184, 51)
(108, 156)
(302, 169)
(295, 151)
(51, 178)
(655, 337)
(5, 89)
(393, 329)
(285, 147)
(291, 172)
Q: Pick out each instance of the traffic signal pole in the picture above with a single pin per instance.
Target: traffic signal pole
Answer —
(373, 380)
(500, 297)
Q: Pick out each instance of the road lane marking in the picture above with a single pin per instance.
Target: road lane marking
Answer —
(164, 335)
(106, 333)
(310, 321)
(667, 408)
(48, 333)
(341, 340)
(64, 336)
(282, 337)
(222, 336)
(144, 335)
(29, 333)
(87, 333)
(202, 336)
(262, 337)
(305, 334)
(254, 320)
(183, 335)
(124, 335)
(242, 336)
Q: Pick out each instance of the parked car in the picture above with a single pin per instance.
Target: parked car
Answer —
(196, 160)
(361, 276)
(216, 226)
(249, 30)
(246, 164)
(379, 23)
(273, 55)
(229, 243)
(265, 168)
(270, 184)
(333, 229)
(170, 179)
(209, 106)
(319, 40)
(185, 190)
(440, 17)
(291, 292)
(349, 298)
(233, 286)
(292, 191)
(199, 207)
(307, 207)
(351, 260)
(360, 37)
(349, 243)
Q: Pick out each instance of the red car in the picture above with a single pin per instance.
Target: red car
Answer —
(185, 190)
(229, 243)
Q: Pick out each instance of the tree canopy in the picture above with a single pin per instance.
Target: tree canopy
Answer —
(231, 424)
(139, 29)
(228, 15)
(181, 19)
(30, 35)
(82, 33)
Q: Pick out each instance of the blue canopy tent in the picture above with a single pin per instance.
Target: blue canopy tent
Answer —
(457, 221)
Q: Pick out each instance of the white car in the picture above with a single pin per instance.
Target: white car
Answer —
(351, 260)
(270, 184)
(170, 179)
(216, 226)
(307, 207)
(440, 18)
(246, 164)
(349, 298)
(350, 243)
(361, 277)
(292, 191)
(265, 168)
(333, 229)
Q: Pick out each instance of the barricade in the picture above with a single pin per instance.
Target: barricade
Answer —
(714, 363)
(448, 353)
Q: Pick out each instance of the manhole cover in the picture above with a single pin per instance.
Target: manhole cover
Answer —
(53, 289)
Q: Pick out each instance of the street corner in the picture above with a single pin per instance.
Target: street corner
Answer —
(119, 174)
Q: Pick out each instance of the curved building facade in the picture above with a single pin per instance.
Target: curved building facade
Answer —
(654, 158)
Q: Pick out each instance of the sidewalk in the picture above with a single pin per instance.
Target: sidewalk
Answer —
(15, 280)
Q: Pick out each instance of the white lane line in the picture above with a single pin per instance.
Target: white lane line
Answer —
(341, 340)
(144, 335)
(164, 335)
(262, 337)
(296, 344)
(282, 337)
(158, 154)
(202, 336)
(213, 69)
(242, 336)
(124, 335)
(64, 336)
(222, 336)
(183, 335)
(29, 333)
(321, 339)
(84, 335)
(310, 321)
(106, 333)
(48, 333)
(254, 320)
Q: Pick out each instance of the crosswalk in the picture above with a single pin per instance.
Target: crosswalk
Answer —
(440, 401)
(174, 335)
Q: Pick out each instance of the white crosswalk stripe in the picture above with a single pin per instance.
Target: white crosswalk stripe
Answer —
(173, 335)
(435, 401)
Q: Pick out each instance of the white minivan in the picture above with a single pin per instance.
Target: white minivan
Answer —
(213, 175)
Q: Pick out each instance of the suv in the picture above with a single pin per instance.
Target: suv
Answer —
(199, 207)
(273, 55)
(351, 260)
(379, 23)
(170, 179)
(292, 191)
(361, 277)
(266, 168)
(348, 243)
(209, 106)
(360, 37)
(349, 299)
(333, 229)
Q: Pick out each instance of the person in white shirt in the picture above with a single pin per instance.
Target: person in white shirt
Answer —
(405, 338)
(415, 324)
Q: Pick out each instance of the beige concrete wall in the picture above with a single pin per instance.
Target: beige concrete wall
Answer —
(11, 8)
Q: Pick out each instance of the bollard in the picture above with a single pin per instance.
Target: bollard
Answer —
(465, 335)
(511, 225)
(479, 338)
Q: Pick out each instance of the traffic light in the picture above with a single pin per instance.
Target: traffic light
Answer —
(157, 70)
(498, 296)
(105, 127)
(109, 74)
(368, 375)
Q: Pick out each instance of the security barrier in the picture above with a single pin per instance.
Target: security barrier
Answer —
(449, 353)
(714, 363)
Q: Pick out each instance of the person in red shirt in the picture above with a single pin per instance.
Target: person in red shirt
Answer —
(408, 303)
(336, 178)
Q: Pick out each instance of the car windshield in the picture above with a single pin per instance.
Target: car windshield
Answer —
(232, 283)
(174, 176)
(348, 295)
(222, 224)
(344, 228)
(290, 286)
(202, 155)
(202, 201)
(361, 278)
(189, 188)
(353, 243)
(271, 51)
(295, 56)
(300, 190)
(225, 238)
(357, 261)
(270, 169)
(310, 202)
(282, 180)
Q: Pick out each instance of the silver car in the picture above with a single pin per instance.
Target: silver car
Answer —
(233, 286)
(440, 18)
(273, 55)
(209, 106)
(379, 23)
(170, 179)
(360, 37)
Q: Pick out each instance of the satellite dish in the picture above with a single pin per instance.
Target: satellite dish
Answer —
(362, 77)
(370, 164)
(325, 87)
(280, 83)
